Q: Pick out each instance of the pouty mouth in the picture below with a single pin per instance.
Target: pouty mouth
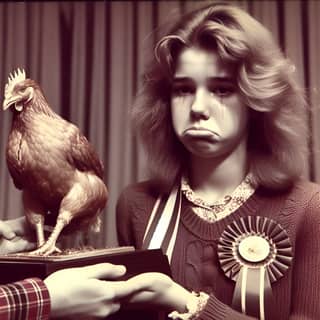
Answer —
(199, 135)
(199, 132)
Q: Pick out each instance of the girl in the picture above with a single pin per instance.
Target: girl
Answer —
(222, 120)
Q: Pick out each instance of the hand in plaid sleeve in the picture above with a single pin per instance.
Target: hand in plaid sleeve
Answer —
(75, 292)
(79, 292)
(24, 300)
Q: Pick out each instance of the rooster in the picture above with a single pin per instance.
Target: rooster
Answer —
(57, 169)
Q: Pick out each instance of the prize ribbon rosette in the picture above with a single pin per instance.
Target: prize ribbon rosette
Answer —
(254, 252)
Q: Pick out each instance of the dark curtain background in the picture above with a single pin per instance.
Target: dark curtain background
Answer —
(88, 58)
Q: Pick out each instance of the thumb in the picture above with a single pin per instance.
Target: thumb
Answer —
(104, 271)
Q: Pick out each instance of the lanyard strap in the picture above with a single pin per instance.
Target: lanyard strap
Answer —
(162, 227)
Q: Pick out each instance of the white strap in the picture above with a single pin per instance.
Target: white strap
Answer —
(174, 234)
(164, 221)
(154, 210)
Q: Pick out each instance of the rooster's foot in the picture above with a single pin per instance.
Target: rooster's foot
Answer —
(45, 250)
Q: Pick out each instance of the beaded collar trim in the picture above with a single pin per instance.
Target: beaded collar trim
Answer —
(222, 208)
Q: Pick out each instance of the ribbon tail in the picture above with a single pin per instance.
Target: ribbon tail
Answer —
(252, 291)
(237, 301)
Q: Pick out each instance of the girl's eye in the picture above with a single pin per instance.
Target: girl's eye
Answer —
(183, 90)
(222, 91)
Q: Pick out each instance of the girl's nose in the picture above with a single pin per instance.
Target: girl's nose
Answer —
(200, 105)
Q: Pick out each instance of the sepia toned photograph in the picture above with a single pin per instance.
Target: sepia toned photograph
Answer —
(160, 160)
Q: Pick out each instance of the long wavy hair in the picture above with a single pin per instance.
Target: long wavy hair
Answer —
(277, 130)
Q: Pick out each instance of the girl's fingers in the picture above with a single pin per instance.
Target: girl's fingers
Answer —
(15, 245)
(6, 231)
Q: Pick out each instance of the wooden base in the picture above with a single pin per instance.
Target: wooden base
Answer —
(18, 267)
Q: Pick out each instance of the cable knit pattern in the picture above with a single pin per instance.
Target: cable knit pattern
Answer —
(195, 263)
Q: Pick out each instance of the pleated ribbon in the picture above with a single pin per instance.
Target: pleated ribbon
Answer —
(254, 251)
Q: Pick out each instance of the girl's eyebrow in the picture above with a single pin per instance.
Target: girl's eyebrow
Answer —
(221, 79)
(182, 79)
(179, 80)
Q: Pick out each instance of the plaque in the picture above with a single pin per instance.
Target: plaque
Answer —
(15, 267)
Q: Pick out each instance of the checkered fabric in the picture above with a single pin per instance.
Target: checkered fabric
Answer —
(24, 300)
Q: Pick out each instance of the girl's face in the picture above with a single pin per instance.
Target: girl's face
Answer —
(209, 116)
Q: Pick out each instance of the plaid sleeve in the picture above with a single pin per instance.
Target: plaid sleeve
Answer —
(24, 300)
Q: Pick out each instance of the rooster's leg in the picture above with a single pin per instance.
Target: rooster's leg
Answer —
(38, 222)
(50, 245)
(88, 192)
(69, 205)
(35, 216)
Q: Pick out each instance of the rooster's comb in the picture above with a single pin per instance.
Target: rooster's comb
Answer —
(14, 78)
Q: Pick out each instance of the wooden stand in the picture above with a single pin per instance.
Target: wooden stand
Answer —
(18, 267)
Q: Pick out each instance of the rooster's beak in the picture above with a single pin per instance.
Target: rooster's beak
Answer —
(18, 99)
(8, 102)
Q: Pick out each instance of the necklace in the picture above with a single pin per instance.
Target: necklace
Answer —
(221, 208)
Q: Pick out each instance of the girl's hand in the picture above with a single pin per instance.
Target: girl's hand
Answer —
(15, 236)
(158, 289)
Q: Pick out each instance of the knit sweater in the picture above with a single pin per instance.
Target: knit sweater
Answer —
(195, 262)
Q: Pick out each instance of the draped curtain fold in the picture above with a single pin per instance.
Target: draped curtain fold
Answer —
(88, 57)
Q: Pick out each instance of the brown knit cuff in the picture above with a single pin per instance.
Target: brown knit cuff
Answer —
(216, 310)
